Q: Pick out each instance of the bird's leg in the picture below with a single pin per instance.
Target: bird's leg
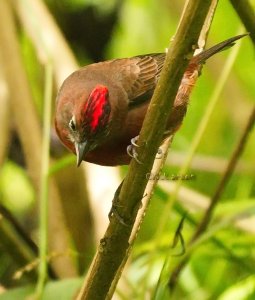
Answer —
(131, 149)
(116, 205)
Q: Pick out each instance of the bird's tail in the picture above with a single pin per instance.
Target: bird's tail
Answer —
(203, 56)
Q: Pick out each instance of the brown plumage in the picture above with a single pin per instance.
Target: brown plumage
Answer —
(101, 107)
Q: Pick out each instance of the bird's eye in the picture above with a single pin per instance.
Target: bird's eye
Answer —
(72, 125)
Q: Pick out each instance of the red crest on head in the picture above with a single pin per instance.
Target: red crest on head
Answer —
(95, 107)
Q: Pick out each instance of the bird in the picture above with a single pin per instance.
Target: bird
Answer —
(101, 107)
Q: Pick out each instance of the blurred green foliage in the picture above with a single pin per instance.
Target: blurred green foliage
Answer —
(17, 193)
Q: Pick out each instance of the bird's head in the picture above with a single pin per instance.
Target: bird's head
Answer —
(87, 121)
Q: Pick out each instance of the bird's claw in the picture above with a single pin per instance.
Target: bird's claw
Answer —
(134, 141)
(131, 149)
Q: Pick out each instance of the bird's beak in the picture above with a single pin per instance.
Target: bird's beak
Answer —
(81, 149)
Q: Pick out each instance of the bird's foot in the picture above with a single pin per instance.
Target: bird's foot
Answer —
(131, 149)
(115, 206)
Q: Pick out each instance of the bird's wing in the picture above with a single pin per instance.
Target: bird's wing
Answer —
(139, 76)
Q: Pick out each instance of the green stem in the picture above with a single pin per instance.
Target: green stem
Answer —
(44, 183)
